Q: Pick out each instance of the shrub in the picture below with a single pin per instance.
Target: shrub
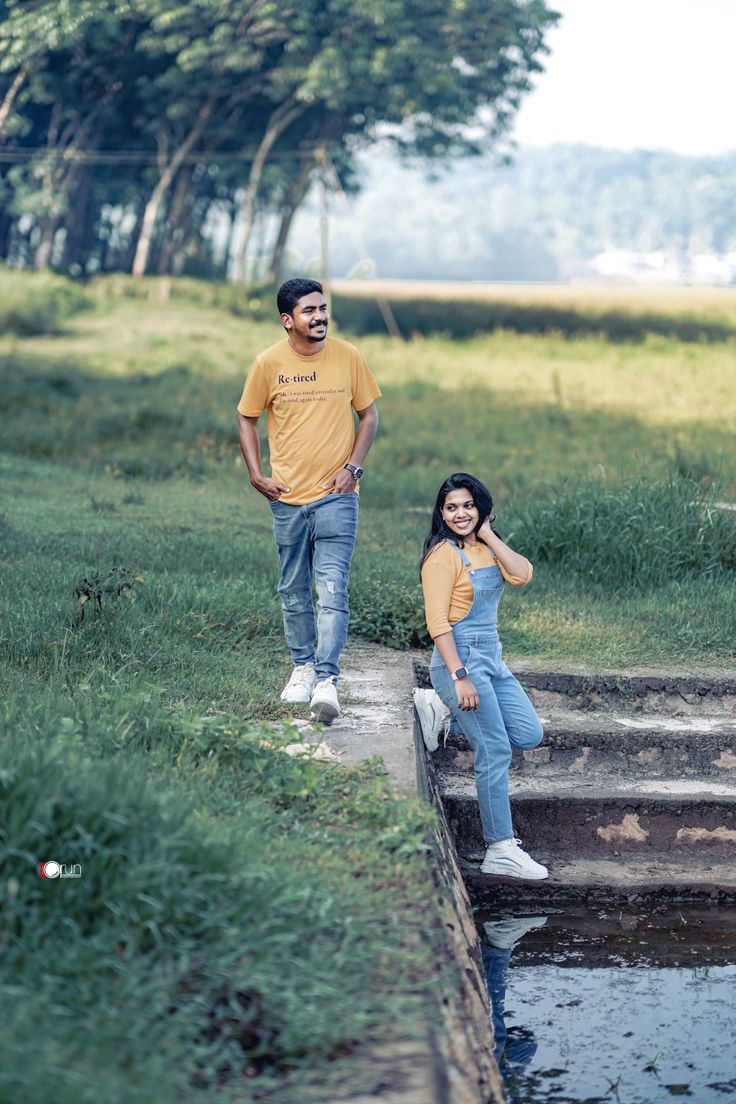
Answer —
(36, 304)
(388, 609)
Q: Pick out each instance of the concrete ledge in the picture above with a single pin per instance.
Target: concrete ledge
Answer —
(453, 1063)
(464, 1039)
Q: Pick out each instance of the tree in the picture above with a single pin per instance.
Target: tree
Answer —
(165, 90)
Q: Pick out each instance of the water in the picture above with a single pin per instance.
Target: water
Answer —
(616, 1006)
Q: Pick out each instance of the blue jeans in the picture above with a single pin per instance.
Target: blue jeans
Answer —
(316, 541)
(504, 719)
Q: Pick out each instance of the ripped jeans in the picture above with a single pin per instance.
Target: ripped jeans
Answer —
(316, 541)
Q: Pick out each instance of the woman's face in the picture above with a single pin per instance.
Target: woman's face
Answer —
(460, 513)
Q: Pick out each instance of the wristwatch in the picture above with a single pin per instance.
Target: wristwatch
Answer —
(355, 471)
(461, 673)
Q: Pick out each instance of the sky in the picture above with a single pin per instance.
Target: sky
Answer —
(637, 74)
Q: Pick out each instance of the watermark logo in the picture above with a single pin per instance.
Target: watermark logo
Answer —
(53, 869)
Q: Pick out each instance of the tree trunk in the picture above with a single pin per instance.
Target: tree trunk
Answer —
(6, 227)
(123, 259)
(44, 248)
(76, 243)
(9, 98)
(174, 236)
(150, 214)
(295, 195)
(282, 118)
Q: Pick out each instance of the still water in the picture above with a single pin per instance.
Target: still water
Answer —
(621, 1007)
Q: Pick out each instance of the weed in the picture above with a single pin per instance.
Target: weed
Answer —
(115, 583)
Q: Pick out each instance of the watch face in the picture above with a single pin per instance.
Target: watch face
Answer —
(461, 673)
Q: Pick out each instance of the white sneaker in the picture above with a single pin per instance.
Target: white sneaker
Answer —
(507, 858)
(301, 684)
(505, 934)
(433, 716)
(324, 704)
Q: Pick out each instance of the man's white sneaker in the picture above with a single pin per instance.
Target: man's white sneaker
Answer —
(433, 716)
(324, 704)
(507, 859)
(301, 684)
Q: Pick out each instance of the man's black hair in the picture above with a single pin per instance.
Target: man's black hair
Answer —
(292, 291)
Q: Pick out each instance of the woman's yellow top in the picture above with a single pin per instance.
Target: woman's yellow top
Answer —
(448, 589)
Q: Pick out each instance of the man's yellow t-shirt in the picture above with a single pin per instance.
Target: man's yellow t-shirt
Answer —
(310, 402)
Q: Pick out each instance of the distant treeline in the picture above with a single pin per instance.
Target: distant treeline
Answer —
(154, 135)
(540, 217)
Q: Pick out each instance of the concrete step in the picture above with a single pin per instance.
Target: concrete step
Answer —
(657, 877)
(656, 690)
(604, 816)
(632, 794)
(649, 744)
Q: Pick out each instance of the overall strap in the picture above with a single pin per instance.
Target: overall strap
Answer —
(460, 553)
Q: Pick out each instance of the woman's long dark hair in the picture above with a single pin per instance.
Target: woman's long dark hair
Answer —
(439, 531)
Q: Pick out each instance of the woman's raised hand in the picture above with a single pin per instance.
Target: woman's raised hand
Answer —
(485, 533)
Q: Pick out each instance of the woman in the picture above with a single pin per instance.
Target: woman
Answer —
(463, 571)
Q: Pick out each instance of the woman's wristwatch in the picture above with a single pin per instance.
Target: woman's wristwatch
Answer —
(461, 673)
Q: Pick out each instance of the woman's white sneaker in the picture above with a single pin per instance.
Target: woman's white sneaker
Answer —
(324, 704)
(507, 860)
(300, 686)
(433, 716)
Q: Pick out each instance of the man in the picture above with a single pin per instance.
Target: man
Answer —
(310, 384)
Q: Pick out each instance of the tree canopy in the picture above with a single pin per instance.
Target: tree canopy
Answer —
(129, 129)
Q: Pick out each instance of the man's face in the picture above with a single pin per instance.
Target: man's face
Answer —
(310, 319)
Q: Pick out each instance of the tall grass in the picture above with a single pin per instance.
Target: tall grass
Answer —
(242, 914)
(640, 535)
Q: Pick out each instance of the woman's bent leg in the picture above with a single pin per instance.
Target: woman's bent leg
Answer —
(520, 720)
(485, 731)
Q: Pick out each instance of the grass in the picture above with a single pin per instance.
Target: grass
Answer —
(245, 918)
(190, 954)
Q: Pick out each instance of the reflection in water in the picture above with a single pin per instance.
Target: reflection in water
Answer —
(614, 1007)
(514, 1048)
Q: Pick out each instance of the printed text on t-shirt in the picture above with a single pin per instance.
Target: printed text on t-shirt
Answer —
(298, 379)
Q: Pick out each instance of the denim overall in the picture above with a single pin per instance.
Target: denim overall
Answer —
(504, 718)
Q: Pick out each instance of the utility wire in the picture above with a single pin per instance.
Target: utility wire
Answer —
(19, 154)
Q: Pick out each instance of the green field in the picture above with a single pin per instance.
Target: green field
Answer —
(135, 732)
(124, 426)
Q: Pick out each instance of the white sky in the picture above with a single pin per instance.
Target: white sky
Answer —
(648, 74)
